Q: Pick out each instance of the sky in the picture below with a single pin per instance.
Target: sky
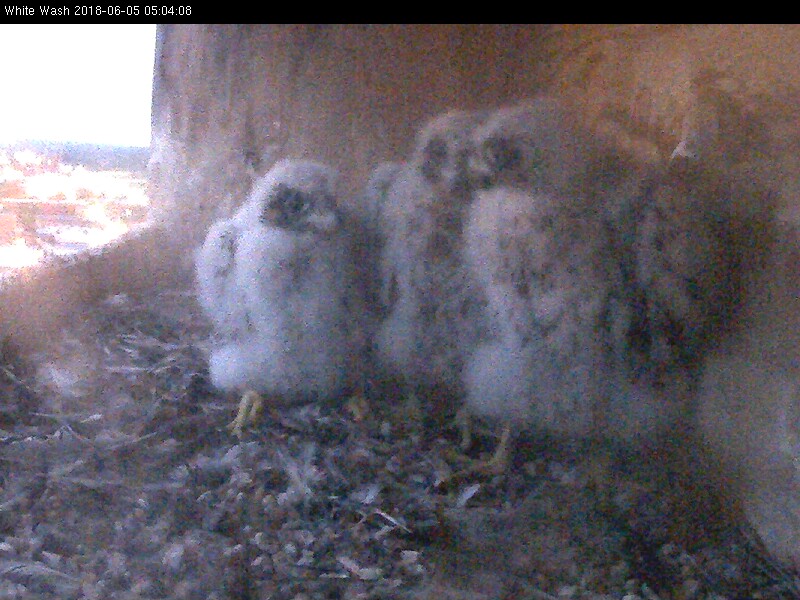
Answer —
(76, 83)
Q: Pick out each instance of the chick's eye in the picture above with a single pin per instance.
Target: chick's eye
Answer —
(501, 154)
(298, 203)
(290, 201)
(434, 158)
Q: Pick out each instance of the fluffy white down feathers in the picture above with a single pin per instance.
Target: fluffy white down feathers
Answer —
(432, 310)
(505, 272)
(277, 282)
(547, 279)
(546, 294)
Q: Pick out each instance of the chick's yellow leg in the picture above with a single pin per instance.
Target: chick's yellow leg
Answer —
(501, 457)
(464, 424)
(251, 407)
(498, 464)
(500, 460)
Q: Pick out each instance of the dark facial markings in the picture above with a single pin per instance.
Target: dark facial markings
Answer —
(434, 158)
(502, 154)
(287, 207)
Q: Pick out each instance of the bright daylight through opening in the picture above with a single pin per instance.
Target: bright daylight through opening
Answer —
(74, 137)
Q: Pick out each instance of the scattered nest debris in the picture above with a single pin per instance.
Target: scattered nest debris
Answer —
(121, 481)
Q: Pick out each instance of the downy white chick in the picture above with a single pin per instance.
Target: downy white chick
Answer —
(278, 283)
(432, 310)
(562, 262)
(536, 242)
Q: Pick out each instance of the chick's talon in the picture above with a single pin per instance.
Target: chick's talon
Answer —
(251, 407)
(500, 461)
(498, 464)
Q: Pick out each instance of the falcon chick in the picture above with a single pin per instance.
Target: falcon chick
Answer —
(277, 281)
(535, 243)
(432, 311)
(534, 144)
(687, 259)
(684, 246)
(548, 243)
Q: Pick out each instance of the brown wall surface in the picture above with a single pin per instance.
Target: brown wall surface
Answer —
(229, 100)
